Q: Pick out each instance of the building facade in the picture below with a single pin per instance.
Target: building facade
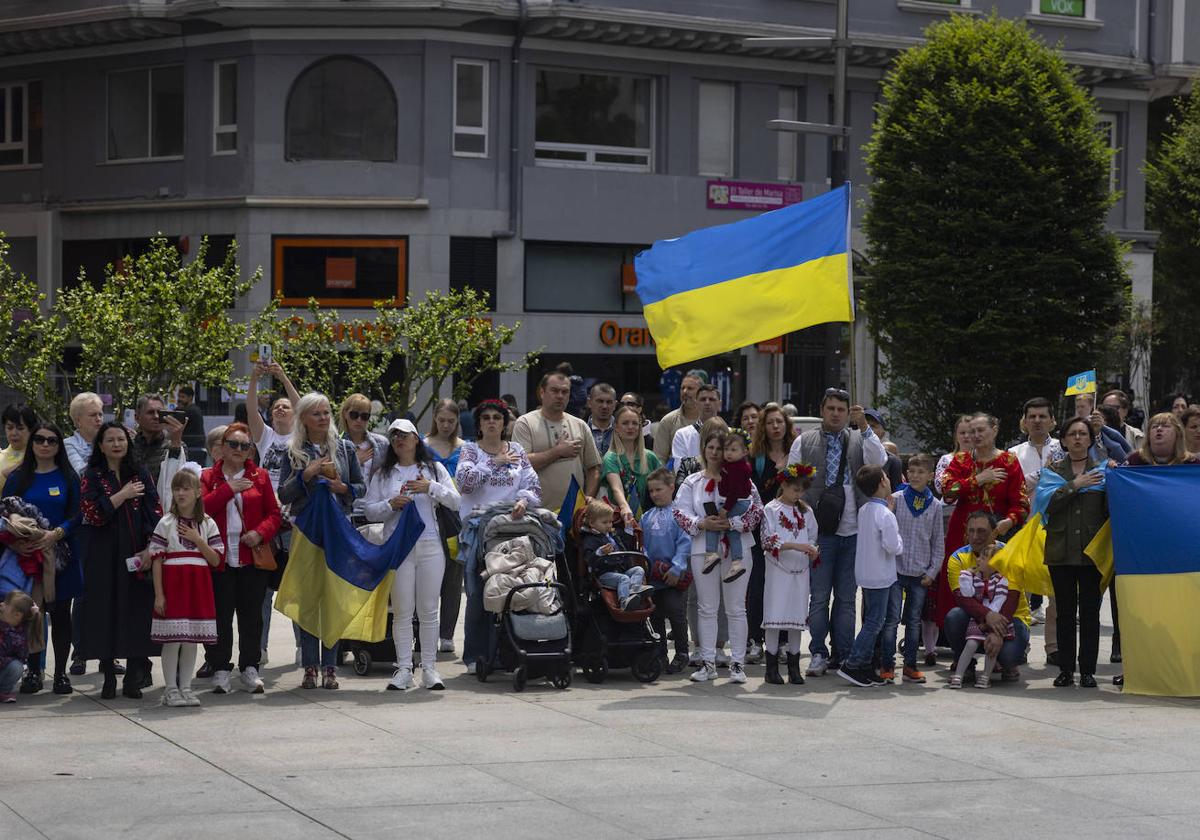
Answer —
(359, 149)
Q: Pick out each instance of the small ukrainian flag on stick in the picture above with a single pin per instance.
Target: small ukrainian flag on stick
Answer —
(1081, 383)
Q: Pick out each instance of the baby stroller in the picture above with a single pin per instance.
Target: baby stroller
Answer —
(607, 636)
(366, 654)
(529, 643)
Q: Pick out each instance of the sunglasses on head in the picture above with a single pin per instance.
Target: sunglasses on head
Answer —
(244, 445)
(840, 393)
(358, 415)
(44, 440)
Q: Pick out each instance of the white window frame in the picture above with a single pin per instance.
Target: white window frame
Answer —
(733, 90)
(788, 142)
(1089, 11)
(219, 128)
(1112, 123)
(7, 144)
(476, 131)
(149, 113)
(590, 156)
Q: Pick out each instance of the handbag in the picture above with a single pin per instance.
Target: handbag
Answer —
(262, 554)
(833, 498)
(449, 524)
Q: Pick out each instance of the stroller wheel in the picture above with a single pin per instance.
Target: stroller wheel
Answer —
(519, 677)
(596, 671)
(647, 667)
(562, 680)
(481, 669)
(362, 663)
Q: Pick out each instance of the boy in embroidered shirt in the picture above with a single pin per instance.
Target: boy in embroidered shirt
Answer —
(669, 548)
(919, 516)
(596, 544)
(874, 570)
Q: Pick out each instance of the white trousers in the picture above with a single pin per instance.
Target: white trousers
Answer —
(709, 589)
(417, 588)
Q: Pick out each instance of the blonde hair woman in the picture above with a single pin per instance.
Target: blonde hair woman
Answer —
(627, 464)
(369, 447)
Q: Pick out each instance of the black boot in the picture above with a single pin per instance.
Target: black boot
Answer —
(131, 687)
(794, 675)
(772, 676)
(109, 690)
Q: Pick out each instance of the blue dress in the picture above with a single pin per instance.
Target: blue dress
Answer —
(450, 462)
(57, 497)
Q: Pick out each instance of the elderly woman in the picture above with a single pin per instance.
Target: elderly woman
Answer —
(353, 417)
(316, 451)
(1075, 514)
(692, 512)
(409, 475)
(491, 470)
(1165, 443)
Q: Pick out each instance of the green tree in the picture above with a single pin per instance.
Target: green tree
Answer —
(1173, 204)
(992, 276)
(156, 322)
(31, 343)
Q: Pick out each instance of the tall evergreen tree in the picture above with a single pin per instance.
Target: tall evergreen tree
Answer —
(992, 277)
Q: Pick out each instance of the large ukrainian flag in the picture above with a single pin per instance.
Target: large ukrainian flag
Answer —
(336, 584)
(1154, 511)
(721, 288)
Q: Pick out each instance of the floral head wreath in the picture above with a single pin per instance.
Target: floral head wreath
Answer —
(742, 433)
(793, 472)
(498, 405)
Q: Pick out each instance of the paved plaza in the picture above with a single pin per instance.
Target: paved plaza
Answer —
(621, 760)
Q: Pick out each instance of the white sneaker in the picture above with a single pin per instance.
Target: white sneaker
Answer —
(263, 659)
(220, 682)
(251, 682)
(299, 658)
(736, 673)
(431, 679)
(174, 698)
(817, 666)
(706, 673)
(1038, 616)
(471, 667)
(754, 653)
(189, 697)
(402, 680)
(445, 646)
(723, 659)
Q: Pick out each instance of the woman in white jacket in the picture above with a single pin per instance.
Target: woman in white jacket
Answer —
(697, 490)
(408, 475)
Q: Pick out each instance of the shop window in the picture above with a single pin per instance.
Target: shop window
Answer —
(595, 120)
(716, 103)
(225, 128)
(20, 124)
(470, 108)
(145, 113)
(473, 265)
(339, 271)
(341, 109)
(569, 277)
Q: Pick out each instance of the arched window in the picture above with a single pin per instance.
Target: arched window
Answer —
(341, 108)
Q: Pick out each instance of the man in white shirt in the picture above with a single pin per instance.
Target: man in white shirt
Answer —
(1034, 454)
(559, 445)
(686, 443)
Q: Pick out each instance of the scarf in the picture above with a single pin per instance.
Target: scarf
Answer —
(917, 503)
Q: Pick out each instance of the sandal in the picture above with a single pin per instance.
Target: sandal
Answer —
(330, 680)
(310, 678)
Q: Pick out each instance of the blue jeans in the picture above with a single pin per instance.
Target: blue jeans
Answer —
(909, 589)
(309, 655)
(10, 675)
(712, 539)
(834, 576)
(623, 582)
(875, 614)
(1011, 651)
(478, 623)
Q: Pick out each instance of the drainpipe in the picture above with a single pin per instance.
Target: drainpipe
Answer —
(514, 127)
(1152, 19)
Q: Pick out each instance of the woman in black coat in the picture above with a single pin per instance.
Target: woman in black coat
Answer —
(120, 509)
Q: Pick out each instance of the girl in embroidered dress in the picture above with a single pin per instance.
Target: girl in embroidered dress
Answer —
(789, 540)
(185, 544)
(984, 584)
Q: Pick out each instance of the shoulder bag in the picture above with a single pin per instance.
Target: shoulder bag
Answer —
(833, 498)
(262, 554)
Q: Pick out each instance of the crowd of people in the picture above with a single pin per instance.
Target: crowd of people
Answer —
(121, 546)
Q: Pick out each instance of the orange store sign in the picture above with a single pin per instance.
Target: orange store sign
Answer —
(613, 334)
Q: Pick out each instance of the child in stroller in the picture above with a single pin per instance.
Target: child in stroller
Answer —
(596, 547)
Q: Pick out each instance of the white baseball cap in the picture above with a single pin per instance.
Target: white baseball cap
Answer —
(402, 425)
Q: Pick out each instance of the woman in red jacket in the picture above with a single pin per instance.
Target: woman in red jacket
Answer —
(239, 498)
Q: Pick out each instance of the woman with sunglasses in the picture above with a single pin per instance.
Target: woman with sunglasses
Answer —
(238, 496)
(369, 447)
(47, 481)
(409, 475)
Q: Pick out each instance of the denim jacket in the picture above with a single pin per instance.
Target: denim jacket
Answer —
(296, 492)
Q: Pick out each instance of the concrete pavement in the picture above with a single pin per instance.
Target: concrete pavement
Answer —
(621, 760)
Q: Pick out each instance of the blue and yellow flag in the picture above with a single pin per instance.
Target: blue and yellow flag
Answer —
(721, 288)
(336, 584)
(573, 500)
(1154, 513)
(1081, 383)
